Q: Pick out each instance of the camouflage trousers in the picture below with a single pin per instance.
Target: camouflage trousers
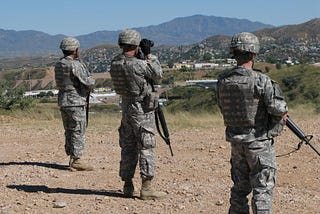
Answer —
(74, 123)
(137, 141)
(253, 169)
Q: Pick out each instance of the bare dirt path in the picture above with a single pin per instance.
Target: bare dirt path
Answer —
(34, 177)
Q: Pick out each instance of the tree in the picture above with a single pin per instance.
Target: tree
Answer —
(170, 64)
(267, 69)
(278, 66)
(42, 94)
(50, 94)
(207, 57)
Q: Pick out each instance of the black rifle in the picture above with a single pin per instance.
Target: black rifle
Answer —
(87, 109)
(159, 117)
(87, 98)
(299, 133)
(144, 50)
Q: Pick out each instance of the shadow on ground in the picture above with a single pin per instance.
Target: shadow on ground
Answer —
(45, 189)
(47, 165)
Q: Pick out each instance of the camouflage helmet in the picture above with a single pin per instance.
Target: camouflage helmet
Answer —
(130, 37)
(69, 44)
(245, 42)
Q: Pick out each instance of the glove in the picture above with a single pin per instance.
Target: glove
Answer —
(145, 46)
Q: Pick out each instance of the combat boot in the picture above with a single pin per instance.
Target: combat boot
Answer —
(76, 164)
(147, 193)
(128, 188)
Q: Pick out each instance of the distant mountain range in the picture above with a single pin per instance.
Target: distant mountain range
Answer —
(289, 44)
(300, 43)
(179, 31)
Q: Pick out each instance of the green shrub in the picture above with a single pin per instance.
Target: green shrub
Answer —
(192, 99)
(13, 98)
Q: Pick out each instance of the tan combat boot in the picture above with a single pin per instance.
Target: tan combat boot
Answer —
(76, 164)
(147, 193)
(128, 188)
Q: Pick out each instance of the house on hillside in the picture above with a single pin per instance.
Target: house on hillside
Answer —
(183, 65)
(205, 65)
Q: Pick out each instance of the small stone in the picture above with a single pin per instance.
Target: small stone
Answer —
(60, 204)
(219, 203)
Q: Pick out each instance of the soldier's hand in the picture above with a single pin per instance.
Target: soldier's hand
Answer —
(285, 117)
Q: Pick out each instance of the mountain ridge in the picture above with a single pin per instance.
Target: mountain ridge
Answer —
(298, 43)
(178, 31)
(198, 27)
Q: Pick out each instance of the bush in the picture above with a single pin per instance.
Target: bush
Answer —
(291, 82)
(311, 94)
(192, 99)
(13, 98)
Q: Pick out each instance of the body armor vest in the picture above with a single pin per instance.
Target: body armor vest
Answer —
(239, 99)
(63, 72)
(126, 81)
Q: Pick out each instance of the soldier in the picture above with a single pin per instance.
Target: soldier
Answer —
(74, 82)
(254, 112)
(137, 130)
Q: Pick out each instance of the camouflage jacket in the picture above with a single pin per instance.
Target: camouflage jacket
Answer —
(250, 103)
(129, 75)
(74, 82)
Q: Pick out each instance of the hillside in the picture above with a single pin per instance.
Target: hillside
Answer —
(179, 31)
(306, 31)
(300, 84)
(300, 43)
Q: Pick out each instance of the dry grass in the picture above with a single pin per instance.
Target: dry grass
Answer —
(187, 120)
(176, 121)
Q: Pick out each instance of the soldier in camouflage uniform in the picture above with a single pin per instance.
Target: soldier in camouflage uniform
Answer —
(254, 112)
(137, 130)
(74, 82)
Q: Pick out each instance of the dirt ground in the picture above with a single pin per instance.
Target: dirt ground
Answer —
(35, 179)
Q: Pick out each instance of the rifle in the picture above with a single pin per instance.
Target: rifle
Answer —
(144, 50)
(87, 109)
(299, 133)
(159, 117)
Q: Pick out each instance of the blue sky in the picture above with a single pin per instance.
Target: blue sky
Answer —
(78, 17)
